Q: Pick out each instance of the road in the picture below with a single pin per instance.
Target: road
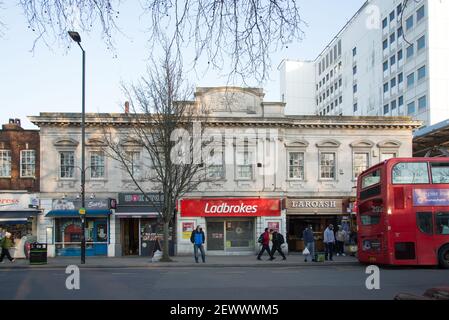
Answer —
(290, 283)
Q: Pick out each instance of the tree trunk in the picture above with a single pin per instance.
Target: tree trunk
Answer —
(165, 249)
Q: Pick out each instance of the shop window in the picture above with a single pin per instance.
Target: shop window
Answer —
(27, 163)
(66, 164)
(296, 165)
(5, 163)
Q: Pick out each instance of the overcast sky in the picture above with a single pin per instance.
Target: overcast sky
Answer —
(49, 79)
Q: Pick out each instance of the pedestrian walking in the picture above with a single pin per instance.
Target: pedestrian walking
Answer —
(309, 242)
(329, 241)
(278, 240)
(341, 238)
(197, 238)
(264, 239)
(6, 244)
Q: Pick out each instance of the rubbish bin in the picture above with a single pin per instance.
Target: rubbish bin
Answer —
(38, 253)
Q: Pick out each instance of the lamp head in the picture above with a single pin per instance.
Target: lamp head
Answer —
(75, 36)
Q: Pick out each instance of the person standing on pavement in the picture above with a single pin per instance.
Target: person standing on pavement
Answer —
(198, 238)
(309, 242)
(6, 243)
(341, 238)
(264, 239)
(278, 240)
(329, 241)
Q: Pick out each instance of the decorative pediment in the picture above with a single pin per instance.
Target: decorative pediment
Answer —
(330, 143)
(389, 144)
(362, 144)
(130, 143)
(298, 143)
(66, 142)
(95, 142)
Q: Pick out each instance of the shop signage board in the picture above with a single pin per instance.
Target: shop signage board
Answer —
(138, 199)
(314, 206)
(232, 207)
(187, 228)
(273, 226)
(17, 201)
(75, 204)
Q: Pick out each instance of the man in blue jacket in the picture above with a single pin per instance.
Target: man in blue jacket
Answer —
(198, 239)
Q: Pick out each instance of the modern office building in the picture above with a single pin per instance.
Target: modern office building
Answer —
(390, 59)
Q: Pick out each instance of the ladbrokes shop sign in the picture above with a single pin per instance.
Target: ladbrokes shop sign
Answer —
(314, 206)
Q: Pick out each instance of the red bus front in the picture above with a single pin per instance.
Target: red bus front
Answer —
(403, 213)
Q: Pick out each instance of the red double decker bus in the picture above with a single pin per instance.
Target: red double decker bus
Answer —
(403, 212)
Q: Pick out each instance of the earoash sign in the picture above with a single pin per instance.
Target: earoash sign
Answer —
(255, 207)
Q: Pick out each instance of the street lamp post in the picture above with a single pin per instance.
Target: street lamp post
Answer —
(77, 38)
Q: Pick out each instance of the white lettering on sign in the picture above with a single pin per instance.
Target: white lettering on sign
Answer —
(314, 204)
(225, 208)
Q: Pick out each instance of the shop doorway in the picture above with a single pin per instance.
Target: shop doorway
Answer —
(130, 236)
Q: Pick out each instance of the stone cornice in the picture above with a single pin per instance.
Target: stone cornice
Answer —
(297, 122)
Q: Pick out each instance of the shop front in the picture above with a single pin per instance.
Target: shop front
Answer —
(231, 225)
(18, 216)
(140, 225)
(316, 212)
(68, 231)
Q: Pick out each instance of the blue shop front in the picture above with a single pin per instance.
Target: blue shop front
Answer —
(67, 226)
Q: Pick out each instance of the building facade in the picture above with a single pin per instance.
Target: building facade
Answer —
(388, 60)
(19, 183)
(269, 170)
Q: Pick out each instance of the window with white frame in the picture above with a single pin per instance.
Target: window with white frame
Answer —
(27, 163)
(215, 165)
(387, 155)
(360, 163)
(296, 165)
(327, 165)
(66, 164)
(133, 163)
(97, 165)
(5, 163)
(244, 163)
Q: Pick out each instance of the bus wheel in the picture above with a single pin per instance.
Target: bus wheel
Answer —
(444, 257)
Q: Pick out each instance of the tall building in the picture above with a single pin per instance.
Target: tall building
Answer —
(390, 59)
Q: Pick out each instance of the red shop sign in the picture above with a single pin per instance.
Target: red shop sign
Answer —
(223, 207)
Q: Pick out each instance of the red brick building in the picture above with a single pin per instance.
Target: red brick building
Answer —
(19, 184)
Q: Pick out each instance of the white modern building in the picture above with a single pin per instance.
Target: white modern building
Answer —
(390, 59)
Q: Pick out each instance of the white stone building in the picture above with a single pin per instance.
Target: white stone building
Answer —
(390, 59)
(271, 162)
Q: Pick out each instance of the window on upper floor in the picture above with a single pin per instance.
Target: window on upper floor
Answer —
(393, 105)
(421, 43)
(215, 168)
(410, 51)
(134, 164)
(400, 32)
(340, 82)
(399, 9)
(27, 163)
(354, 51)
(244, 165)
(421, 73)
(360, 162)
(327, 165)
(385, 44)
(385, 87)
(392, 60)
(97, 165)
(393, 83)
(411, 80)
(386, 109)
(411, 108)
(420, 13)
(400, 55)
(392, 15)
(392, 38)
(422, 103)
(385, 65)
(354, 70)
(354, 88)
(384, 23)
(340, 99)
(401, 101)
(66, 164)
(355, 107)
(400, 78)
(296, 165)
(409, 23)
(5, 163)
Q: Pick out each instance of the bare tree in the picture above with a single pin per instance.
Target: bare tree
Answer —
(161, 123)
(244, 31)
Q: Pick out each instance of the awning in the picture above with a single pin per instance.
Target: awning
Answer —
(18, 214)
(75, 213)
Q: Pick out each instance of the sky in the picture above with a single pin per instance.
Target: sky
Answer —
(49, 79)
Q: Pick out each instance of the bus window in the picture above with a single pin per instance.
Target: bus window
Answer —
(424, 221)
(370, 219)
(371, 179)
(440, 172)
(410, 173)
(442, 222)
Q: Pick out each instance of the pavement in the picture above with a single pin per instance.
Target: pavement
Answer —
(293, 260)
